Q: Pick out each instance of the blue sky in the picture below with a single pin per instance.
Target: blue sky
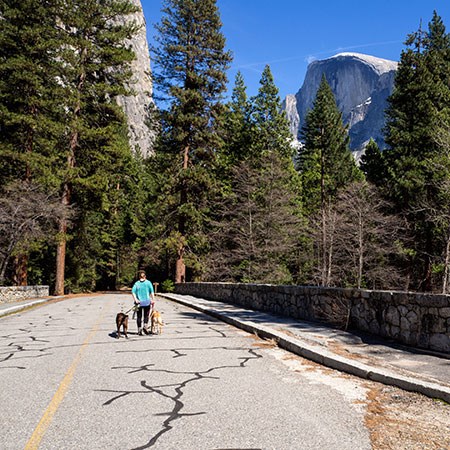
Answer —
(287, 34)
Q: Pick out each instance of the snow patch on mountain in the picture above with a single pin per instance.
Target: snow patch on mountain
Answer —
(361, 85)
(379, 65)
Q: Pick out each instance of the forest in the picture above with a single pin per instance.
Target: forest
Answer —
(226, 195)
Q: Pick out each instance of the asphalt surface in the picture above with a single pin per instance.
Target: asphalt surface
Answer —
(68, 383)
(358, 354)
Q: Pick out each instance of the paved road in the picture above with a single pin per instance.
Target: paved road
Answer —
(66, 382)
(363, 355)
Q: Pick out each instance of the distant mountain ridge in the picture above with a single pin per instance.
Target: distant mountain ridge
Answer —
(361, 85)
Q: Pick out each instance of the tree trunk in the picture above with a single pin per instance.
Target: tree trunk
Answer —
(21, 270)
(330, 250)
(21, 263)
(186, 157)
(61, 248)
(324, 248)
(324, 215)
(428, 283)
(62, 231)
(446, 264)
(180, 267)
(360, 250)
(67, 190)
(61, 258)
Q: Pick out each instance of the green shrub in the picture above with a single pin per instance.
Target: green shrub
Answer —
(167, 286)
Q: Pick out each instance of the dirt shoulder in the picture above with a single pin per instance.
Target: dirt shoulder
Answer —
(401, 420)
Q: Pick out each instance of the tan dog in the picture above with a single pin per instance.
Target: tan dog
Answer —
(157, 322)
(122, 321)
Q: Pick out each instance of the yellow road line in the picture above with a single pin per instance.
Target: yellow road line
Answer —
(53, 406)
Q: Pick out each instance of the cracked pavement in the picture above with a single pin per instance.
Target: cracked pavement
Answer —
(67, 382)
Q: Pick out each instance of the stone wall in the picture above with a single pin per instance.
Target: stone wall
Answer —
(10, 294)
(419, 320)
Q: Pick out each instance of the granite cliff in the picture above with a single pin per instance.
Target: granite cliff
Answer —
(136, 106)
(289, 105)
(361, 85)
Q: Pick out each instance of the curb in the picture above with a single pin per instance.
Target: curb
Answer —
(38, 301)
(325, 357)
(17, 308)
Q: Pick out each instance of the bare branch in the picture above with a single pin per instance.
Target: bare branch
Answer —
(27, 214)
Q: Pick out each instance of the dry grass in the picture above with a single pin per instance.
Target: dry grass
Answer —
(262, 342)
(340, 349)
(400, 420)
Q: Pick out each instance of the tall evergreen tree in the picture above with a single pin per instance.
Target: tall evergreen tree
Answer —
(373, 164)
(189, 70)
(30, 106)
(325, 162)
(237, 123)
(237, 136)
(257, 225)
(29, 89)
(270, 131)
(326, 166)
(96, 69)
(422, 91)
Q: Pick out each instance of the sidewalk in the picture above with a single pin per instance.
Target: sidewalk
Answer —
(362, 355)
(357, 354)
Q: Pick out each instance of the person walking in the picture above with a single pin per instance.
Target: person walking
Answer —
(144, 297)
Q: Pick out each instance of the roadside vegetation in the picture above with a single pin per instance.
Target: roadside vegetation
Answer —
(226, 196)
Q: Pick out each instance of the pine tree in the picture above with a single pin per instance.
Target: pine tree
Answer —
(255, 127)
(30, 106)
(372, 164)
(326, 166)
(270, 131)
(325, 162)
(29, 90)
(96, 69)
(237, 137)
(257, 225)
(237, 124)
(422, 91)
(189, 70)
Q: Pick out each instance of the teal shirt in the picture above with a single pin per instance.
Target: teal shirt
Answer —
(142, 290)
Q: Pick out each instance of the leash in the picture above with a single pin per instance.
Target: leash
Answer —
(134, 308)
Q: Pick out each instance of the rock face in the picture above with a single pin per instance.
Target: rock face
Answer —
(361, 85)
(136, 107)
(289, 105)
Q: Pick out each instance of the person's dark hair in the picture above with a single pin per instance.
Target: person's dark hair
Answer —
(141, 274)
